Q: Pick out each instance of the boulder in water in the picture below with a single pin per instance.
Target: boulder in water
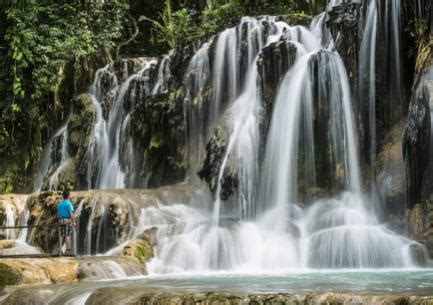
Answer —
(141, 248)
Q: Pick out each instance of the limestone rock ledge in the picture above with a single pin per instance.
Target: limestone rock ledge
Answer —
(128, 295)
(15, 271)
(102, 296)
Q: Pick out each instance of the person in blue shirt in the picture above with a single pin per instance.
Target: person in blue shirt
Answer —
(65, 213)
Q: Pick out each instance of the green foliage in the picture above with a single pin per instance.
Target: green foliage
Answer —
(37, 39)
(10, 178)
(216, 16)
(417, 28)
(172, 26)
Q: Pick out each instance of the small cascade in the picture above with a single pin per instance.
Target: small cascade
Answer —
(163, 75)
(98, 228)
(63, 157)
(110, 156)
(10, 215)
(242, 117)
(54, 155)
(108, 134)
(396, 44)
(367, 77)
(14, 212)
(196, 101)
(380, 66)
(24, 218)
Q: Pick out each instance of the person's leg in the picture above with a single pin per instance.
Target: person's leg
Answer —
(61, 239)
(69, 239)
(65, 240)
(68, 245)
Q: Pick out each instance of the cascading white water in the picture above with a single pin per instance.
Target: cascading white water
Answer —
(10, 219)
(16, 213)
(197, 128)
(367, 75)
(108, 162)
(339, 232)
(108, 135)
(243, 118)
(64, 158)
(51, 161)
(396, 41)
(267, 225)
(161, 85)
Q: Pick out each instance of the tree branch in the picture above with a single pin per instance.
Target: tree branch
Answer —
(135, 34)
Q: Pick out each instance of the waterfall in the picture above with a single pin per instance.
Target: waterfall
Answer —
(110, 153)
(297, 202)
(15, 212)
(9, 211)
(396, 38)
(64, 158)
(195, 102)
(108, 134)
(163, 76)
(50, 161)
(367, 76)
(243, 118)
(276, 231)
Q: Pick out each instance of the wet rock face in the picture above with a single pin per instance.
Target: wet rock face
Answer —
(157, 133)
(79, 130)
(391, 177)
(43, 212)
(417, 135)
(215, 151)
(344, 21)
(273, 63)
(418, 147)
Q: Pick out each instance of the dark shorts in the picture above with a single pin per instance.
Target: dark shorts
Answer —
(65, 227)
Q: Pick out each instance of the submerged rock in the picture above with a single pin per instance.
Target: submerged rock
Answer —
(133, 296)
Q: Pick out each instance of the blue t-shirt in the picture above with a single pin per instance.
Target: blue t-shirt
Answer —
(64, 207)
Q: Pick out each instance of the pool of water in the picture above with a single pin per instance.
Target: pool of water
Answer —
(375, 282)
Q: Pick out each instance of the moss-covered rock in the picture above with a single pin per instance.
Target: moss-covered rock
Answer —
(9, 276)
(141, 248)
